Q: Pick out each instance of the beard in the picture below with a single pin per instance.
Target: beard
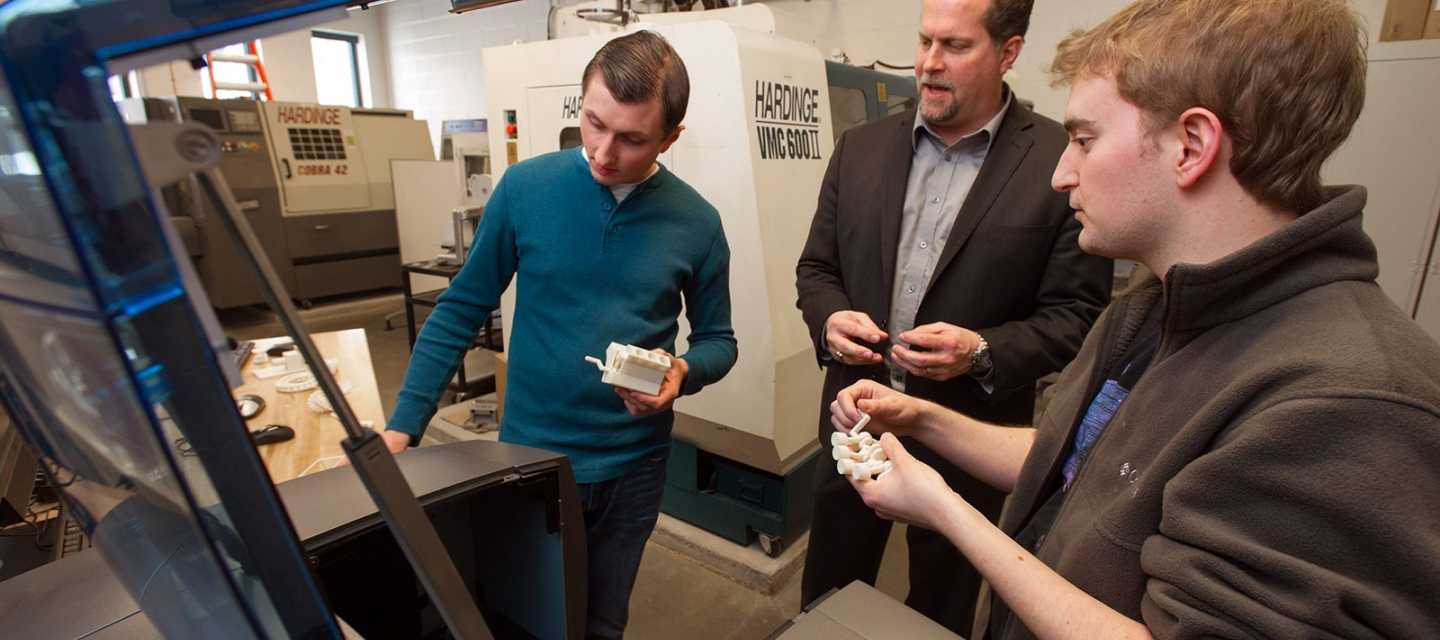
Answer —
(938, 111)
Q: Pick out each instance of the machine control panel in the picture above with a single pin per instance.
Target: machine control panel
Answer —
(245, 122)
(240, 146)
(317, 157)
(512, 152)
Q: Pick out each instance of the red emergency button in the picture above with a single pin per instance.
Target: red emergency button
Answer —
(510, 129)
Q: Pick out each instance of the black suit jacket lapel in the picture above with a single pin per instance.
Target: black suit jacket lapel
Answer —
(1012, 143)
(899, 153)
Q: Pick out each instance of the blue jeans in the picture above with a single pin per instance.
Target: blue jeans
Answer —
(619, 515)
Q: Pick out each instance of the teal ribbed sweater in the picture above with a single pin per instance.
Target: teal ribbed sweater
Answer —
(588, 272)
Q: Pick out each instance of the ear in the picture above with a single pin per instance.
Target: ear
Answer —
(669, 140)
(1201, 138)
(1009, 52)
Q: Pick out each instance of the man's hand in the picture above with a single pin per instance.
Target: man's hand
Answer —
(949, 350)
(890, 411)
(1050, 606)
(843, 328)
(912, 492)
(395, 441)
(640, 404)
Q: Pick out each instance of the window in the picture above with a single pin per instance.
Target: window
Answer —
(847, 109)
(123, 86)
(898, 104)
(337, 67)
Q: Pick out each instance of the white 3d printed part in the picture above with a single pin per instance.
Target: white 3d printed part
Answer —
(857, 454)
(633, 368)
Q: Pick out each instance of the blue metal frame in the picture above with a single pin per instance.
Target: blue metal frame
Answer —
(102, 357)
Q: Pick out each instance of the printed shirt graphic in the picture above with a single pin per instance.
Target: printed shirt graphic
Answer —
(1122, 377)
(1096, 417)
(1119, 380)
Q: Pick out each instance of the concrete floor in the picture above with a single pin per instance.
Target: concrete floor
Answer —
(692, 584)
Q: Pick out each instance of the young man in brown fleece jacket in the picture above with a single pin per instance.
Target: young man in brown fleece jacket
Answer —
(1247, 445)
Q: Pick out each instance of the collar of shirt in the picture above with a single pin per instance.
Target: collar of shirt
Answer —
(991, 128)
(621, 191)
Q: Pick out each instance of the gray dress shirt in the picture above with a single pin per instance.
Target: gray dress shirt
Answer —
(940, 179)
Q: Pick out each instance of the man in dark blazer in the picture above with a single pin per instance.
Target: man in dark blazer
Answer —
(941, 263)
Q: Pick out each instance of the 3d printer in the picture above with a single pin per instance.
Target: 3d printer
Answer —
(109, 354)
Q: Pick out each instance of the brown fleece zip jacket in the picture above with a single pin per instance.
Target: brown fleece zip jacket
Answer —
(1276, 470)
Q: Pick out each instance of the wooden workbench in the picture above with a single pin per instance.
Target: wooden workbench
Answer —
(317, 436)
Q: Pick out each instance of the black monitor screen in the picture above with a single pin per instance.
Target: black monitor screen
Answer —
(210, 117)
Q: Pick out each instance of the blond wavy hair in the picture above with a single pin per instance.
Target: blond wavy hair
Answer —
(1286, 78)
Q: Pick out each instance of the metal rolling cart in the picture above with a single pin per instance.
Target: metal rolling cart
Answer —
(476, 376)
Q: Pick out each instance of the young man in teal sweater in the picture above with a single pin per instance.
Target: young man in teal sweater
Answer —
(603, 244)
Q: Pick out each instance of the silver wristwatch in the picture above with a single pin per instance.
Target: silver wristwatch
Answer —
(980, 362)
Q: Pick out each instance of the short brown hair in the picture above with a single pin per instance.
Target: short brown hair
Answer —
(630, 66)
(1286, 78)
(1006, 18)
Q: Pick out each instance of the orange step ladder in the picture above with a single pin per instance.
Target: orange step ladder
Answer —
(250, 58)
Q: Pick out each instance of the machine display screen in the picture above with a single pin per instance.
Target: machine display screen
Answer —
(212, 118)
(570, 138)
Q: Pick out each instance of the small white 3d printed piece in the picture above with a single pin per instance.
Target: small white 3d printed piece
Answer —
(633, 368)
(860, 426)
(858, 454)
(296, 382)
(318, 403)
(294, 361)
(863, 470)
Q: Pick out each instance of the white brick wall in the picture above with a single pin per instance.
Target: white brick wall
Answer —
(435, 66)
(436, 69)
(427, 60)
(866, 30)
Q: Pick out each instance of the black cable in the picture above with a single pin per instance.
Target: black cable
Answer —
(29, 518)
(54, 468)
(46, 547)
(59, 537)
(888, 65)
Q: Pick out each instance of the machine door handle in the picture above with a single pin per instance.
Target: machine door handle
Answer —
(752, 491)
(321, 227)
(285, 162)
